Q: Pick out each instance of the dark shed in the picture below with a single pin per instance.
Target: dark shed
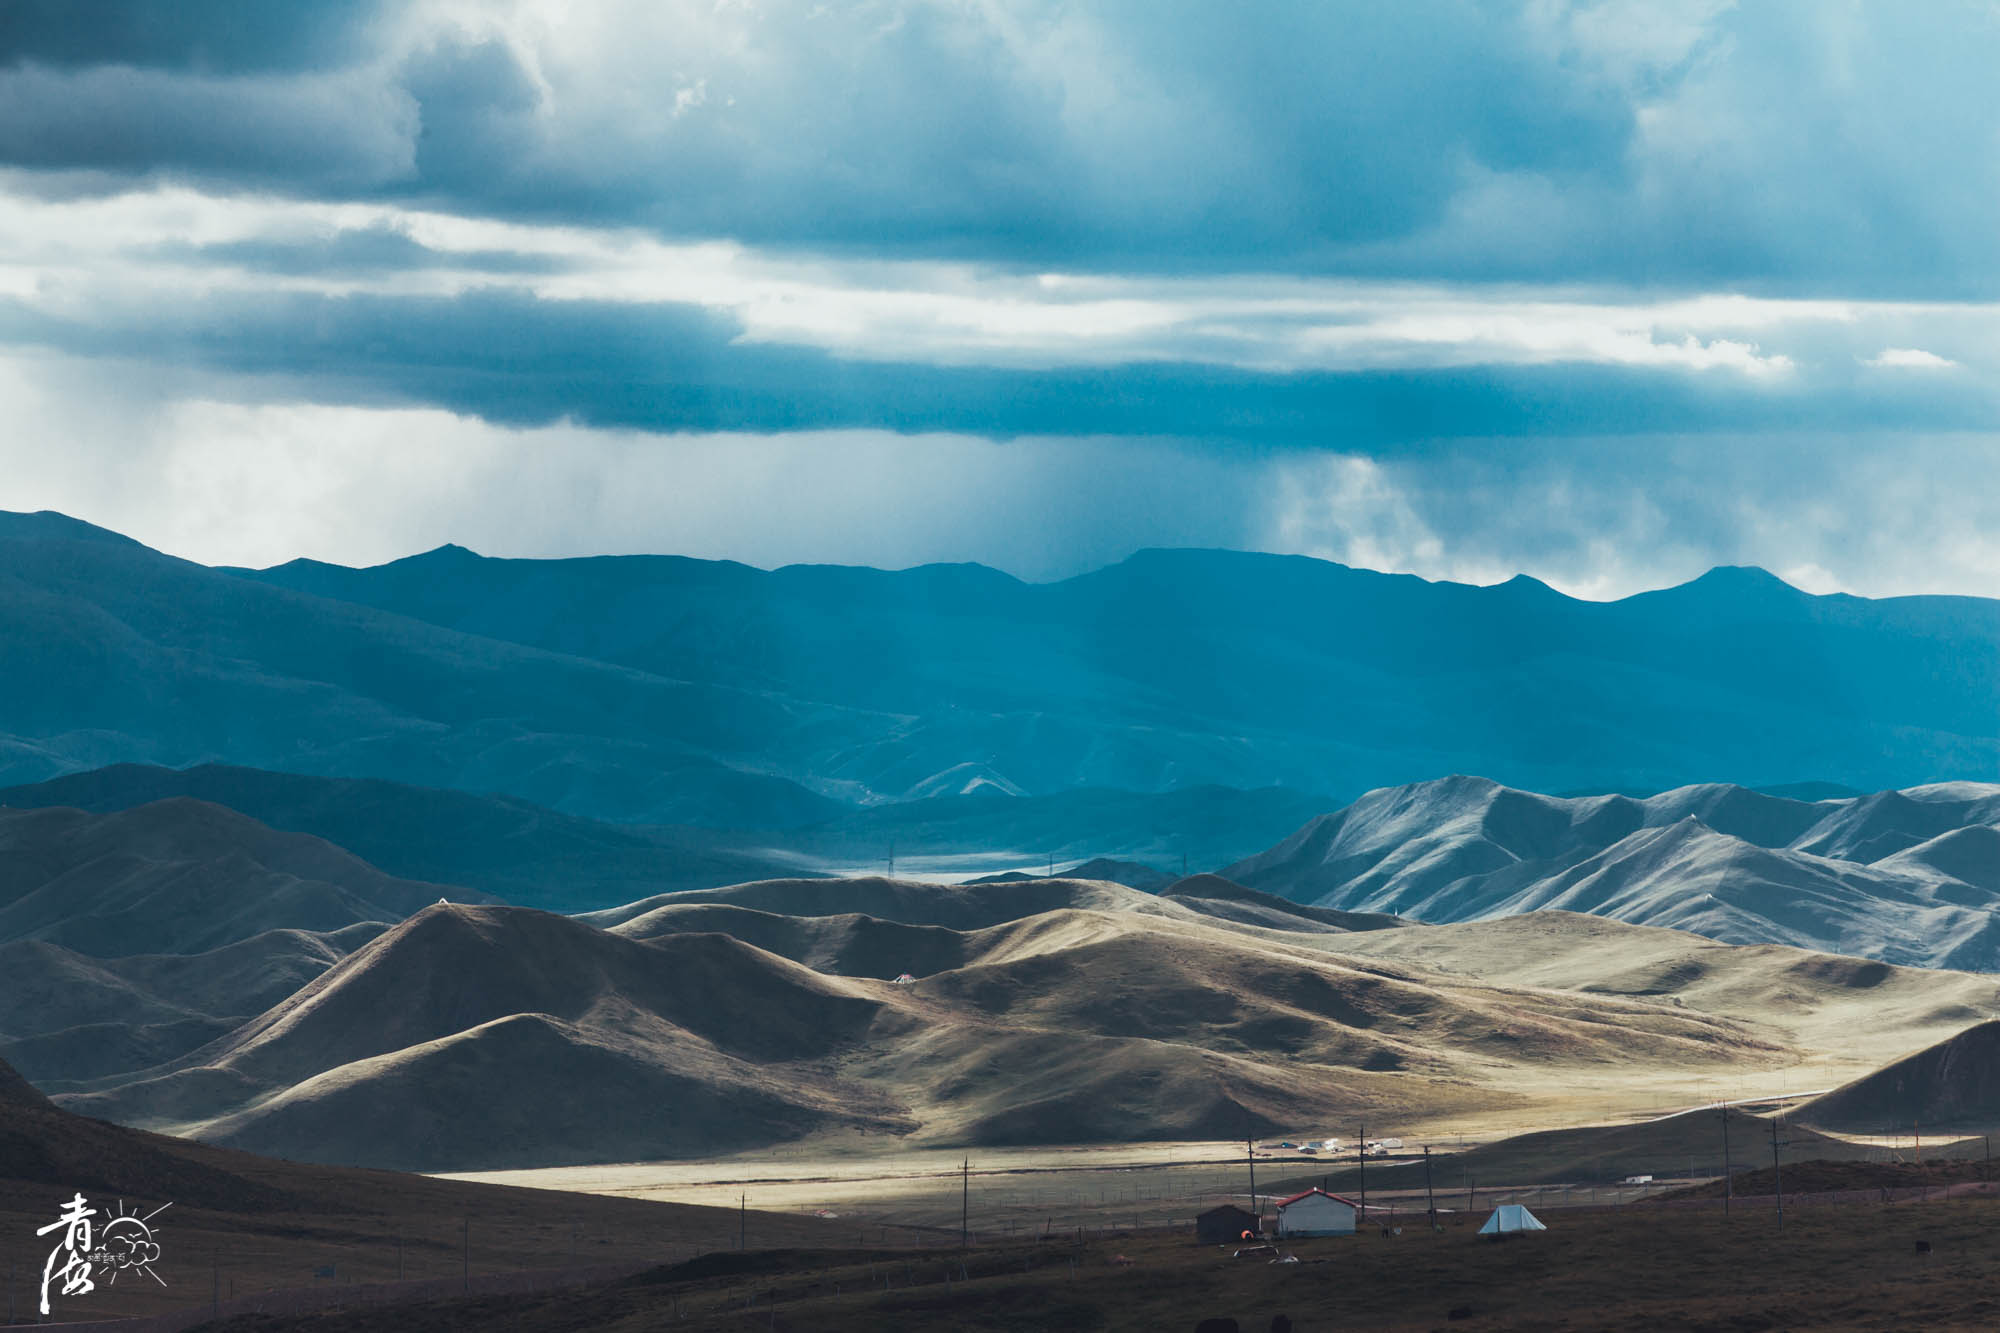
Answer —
(1224, 1223)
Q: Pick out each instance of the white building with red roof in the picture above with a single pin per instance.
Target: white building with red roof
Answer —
(1317, 1213)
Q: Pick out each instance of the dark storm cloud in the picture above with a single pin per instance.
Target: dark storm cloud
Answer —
(320, 131)
(1780, 147)
(357, 251)
(516, 360)
(213, 36)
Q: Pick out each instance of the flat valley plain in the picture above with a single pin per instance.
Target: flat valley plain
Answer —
(1651, 1267)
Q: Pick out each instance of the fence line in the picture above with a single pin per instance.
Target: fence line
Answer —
(306, 1300)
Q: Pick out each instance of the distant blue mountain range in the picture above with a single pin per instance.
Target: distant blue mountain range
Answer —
(673, 690)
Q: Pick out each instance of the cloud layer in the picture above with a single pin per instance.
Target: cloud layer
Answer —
(1602, 290)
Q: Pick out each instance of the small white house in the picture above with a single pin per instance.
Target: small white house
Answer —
(1316, 1213)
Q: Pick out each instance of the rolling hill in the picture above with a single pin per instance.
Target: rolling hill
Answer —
(481, 1037)
(1952, 1086)
(1903, 876)
(1592, 1155)
(66, 1018)
(181, 876)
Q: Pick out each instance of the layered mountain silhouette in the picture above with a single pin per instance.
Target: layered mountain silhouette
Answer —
(1327, 672)
(669, 690)
(537, 857)
(1904, 876)
(181, 876)
(120, 653)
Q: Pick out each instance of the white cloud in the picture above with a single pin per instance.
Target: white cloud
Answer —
(1911, 358)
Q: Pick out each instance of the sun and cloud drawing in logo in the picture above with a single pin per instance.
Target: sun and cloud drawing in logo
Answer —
(124, 1244)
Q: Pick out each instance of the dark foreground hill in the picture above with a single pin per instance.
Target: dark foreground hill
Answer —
(1638, 1267)
(249, 1223)
(1902, 876)
(1952, 1086)
(181, 876)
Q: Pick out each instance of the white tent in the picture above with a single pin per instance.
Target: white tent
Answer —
(1511, 1217)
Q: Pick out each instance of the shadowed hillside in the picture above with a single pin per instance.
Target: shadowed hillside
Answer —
(181, 876)
(1598, 1154)
(67, 1019)
(1954, 1085)
(501, 845)
(267, 1223)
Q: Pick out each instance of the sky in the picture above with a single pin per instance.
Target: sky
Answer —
(1603, 291)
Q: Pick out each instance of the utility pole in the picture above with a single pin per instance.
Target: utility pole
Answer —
(1250, 1155)
(1728, 1180)
(965, 1204)
(892, 858)
(1777, 1174)
(742, 1218)
(1430, 1199)
(1361, 1160)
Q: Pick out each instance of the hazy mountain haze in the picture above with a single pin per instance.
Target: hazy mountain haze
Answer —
(676, 691)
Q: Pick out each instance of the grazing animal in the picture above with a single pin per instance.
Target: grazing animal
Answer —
(1923, 1247)
(1459, 1312)
(1281, 1323)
